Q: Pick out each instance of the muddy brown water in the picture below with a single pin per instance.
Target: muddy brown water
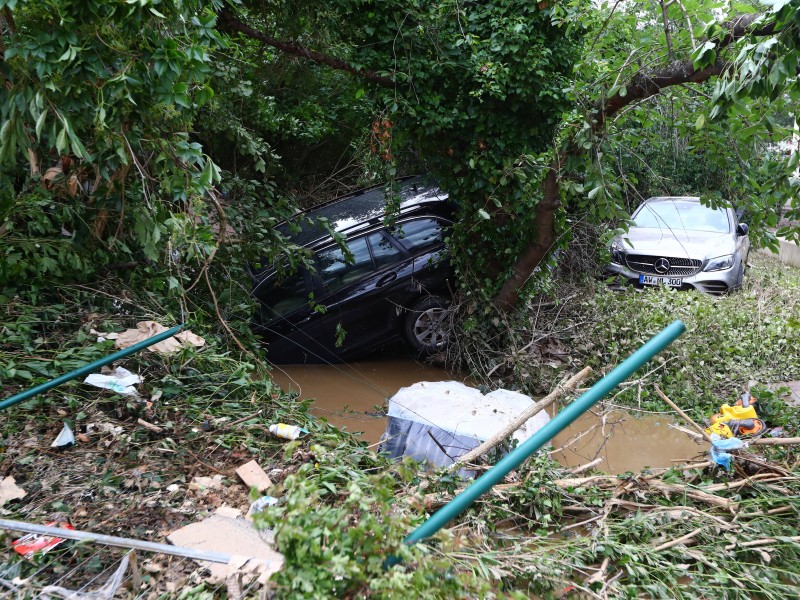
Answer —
(353, 397)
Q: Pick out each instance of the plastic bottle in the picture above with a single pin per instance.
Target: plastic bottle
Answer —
(288, 432)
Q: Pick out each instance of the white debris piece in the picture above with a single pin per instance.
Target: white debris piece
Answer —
(120, 381)
(443, 420)
(64, 438)
(9, 490)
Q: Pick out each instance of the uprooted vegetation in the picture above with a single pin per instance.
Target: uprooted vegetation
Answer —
(688, 531)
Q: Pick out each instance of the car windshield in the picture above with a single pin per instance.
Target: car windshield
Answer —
(682, 215)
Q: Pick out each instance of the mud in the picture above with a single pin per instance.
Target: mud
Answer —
(353, 397)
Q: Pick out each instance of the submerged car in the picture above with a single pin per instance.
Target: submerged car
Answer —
(390, 286)
(679, 242)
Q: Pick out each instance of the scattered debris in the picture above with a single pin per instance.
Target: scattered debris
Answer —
(440, 421)
(9, 490)
(148, 329)
(150, 426)
(739, 420)
(259, 505)
(104, 592)
(288, 432)
(236, 537)
(206, 483)
(254, 476)
(30, 544)
(120, 380)
(719, 447)
(64, 438)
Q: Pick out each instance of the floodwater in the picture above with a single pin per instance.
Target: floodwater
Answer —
(353, 397)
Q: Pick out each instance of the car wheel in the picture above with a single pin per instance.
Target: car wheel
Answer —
(737, 285)
(424, 325)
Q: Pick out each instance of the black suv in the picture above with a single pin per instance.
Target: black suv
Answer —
(395, 287)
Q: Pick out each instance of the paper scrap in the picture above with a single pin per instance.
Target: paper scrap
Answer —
(120, 381)
(148, 329)
(9, 490)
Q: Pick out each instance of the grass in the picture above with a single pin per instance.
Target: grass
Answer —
(688, 533)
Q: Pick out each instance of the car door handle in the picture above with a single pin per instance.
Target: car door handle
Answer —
(388, 278)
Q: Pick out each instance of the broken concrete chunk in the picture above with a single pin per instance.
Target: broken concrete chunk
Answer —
(254, 476)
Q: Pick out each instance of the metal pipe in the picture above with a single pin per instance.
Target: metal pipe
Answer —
(514, 458)
(85, 370)
(119, 542)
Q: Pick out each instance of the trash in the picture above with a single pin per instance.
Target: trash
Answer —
(728, 412)
(254, 476)
(30, 544)
(147, 329)
(105, 592)
(260, 504)
(206, 483)
(120, 381)
(441, 421)
(9, 490)
(739, 420)
(720, 429)
(719, 454)
(289, 432)
(225, 535)
(64, 438)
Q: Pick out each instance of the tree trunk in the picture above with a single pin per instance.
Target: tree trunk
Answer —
(543, 240)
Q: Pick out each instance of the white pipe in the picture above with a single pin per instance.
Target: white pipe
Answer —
(110, 540)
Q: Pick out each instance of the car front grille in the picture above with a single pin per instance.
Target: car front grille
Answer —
(678, 267)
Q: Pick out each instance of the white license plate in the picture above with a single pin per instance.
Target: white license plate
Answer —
(653, 280)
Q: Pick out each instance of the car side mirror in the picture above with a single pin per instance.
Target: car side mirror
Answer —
(742, 229)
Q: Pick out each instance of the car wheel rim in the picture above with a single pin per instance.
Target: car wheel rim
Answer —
(428, 329)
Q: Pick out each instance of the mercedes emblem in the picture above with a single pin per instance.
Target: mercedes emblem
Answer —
(662, 266)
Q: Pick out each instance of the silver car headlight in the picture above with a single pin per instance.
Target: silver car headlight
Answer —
(617, 253)
(720, 263)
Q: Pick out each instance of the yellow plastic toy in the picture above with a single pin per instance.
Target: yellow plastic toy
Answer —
(721, 429)
(734, 413)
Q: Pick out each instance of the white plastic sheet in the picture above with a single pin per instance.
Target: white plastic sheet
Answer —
(440, 421)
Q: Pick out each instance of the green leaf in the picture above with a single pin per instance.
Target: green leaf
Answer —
(484, 214)
(61, 141)
(701, 120)
(40, 124)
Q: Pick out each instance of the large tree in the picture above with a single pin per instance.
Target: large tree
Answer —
(510, 101)
(512, 105)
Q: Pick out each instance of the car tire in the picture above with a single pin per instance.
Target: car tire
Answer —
(423, 325)
(739, 279)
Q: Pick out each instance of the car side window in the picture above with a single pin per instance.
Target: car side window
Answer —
(282, 296)
(419, 234)
(383, 250)
(335, 272)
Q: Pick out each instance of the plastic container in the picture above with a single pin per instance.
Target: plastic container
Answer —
(287, 432)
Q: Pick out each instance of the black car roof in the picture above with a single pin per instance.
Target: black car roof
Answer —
(364, 208)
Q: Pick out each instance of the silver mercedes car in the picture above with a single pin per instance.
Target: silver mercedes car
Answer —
(679, 242)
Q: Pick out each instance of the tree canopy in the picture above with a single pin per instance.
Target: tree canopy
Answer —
(144, 133)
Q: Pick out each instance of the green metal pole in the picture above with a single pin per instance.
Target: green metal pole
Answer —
(43, 387)
(514, 458)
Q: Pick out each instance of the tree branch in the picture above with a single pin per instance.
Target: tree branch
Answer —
(231, 23)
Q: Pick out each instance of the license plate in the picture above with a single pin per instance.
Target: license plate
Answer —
(653, 280)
